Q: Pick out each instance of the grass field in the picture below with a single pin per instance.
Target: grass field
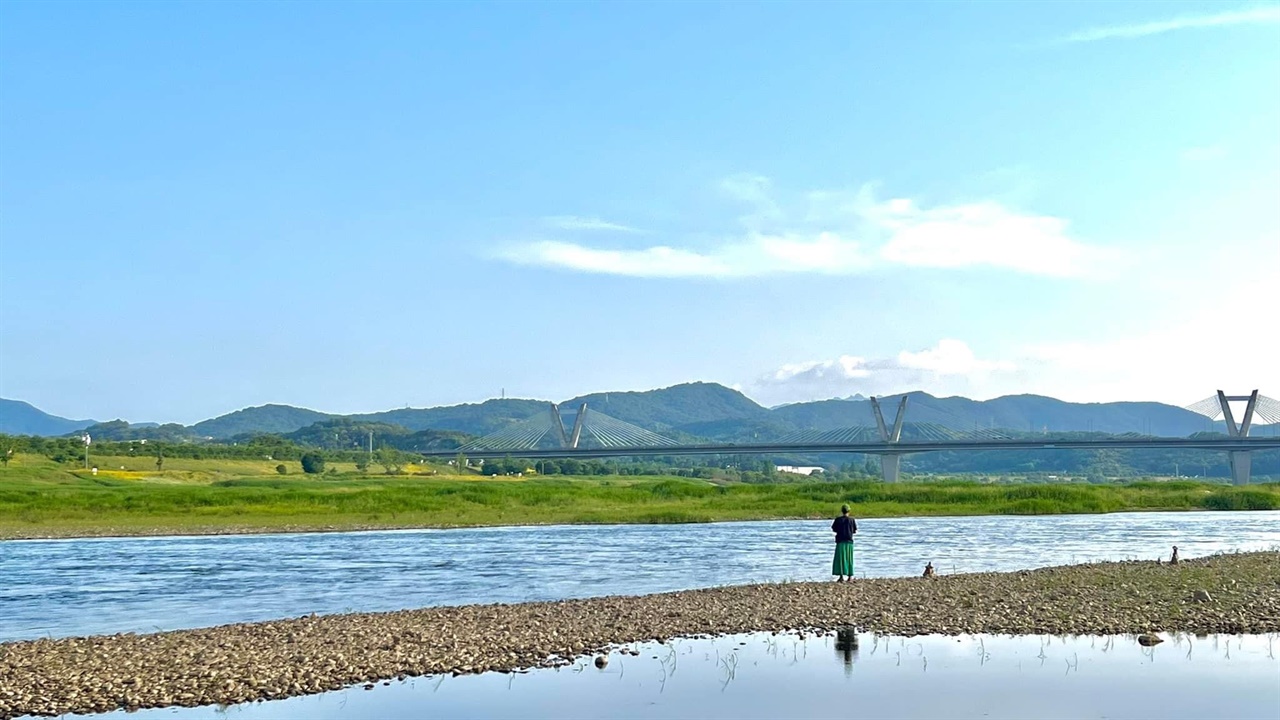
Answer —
(39, 498)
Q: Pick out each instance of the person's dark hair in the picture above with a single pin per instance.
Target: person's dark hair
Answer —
(844, 509)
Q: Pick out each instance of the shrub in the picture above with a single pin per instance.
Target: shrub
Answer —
(1241, 500)
(282, 469)
(312, 463)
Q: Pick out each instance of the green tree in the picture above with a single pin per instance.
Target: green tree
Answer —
(460, 462)
(7, 456)
(362, 462)
(390, 459)
(312, 463)
(282, 469)
(159, 458)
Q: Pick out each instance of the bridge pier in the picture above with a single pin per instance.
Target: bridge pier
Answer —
(1241, 460)
(1241, 463)
(889, 467)
(890, 463)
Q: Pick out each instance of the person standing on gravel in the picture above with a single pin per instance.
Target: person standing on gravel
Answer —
(844, 527)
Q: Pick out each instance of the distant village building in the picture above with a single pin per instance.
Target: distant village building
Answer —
(799, 469)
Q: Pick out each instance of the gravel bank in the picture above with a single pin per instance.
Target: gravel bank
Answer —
(240, 663)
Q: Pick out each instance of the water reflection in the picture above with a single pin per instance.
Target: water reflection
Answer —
(847, 647)
(80, 587)
(1218, 676)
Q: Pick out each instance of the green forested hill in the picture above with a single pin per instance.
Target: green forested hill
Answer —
(262, 419)
(676, 406)
(21, 418)
(473, 419)
(353, 434)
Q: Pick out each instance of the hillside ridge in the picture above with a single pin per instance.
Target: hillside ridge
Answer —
(702, 409)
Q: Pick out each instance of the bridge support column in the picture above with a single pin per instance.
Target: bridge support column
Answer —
(890, 464)
(1241, 461)
(889, 467)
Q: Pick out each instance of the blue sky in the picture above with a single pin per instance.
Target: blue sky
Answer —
(354, 207)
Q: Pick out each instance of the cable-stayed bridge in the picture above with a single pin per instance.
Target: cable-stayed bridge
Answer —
(591, 430)
(588, 433)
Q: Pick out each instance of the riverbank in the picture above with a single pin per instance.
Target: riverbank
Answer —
(54, 502)
(241, 663)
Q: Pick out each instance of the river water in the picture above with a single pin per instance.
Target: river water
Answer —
(97, 586)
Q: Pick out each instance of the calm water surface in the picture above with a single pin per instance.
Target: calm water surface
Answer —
(92, 586)
(836, 676)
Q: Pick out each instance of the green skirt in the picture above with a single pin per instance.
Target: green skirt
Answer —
(842, 563)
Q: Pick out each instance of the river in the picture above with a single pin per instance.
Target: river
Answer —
(106, 585)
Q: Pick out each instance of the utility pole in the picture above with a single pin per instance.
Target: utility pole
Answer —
(86, 440)
(370, 447)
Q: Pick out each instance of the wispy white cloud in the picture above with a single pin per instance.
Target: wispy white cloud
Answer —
(752, 256)
(840, 233)
(984, 233)
(1167, 363)
(586, 224)
(1252, 15)
(948, 365)
(951, 357)
(845, 367)
(659, 261)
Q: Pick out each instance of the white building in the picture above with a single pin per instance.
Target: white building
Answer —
(798, 470)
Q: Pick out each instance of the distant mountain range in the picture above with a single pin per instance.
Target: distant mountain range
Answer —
(20, 418)
(697, 410)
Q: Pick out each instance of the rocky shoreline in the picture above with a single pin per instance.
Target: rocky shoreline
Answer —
(1237, 593)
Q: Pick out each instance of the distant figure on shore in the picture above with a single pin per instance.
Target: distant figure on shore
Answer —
(844, 527)
(1173, 559)
(928, 569)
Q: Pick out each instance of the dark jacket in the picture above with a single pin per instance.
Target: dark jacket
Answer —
(844, 528)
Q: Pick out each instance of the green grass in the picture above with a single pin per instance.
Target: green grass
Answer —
(41, 498)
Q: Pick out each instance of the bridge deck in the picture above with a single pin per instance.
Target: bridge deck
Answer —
(881, 448)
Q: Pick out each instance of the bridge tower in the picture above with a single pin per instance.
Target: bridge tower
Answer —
(890, 463)
(557, 424)
(577, 426)
(1240, 459)
(567, 441)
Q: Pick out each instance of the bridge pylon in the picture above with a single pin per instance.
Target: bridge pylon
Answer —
(577, 426)
(1241, 460)
(890, 463)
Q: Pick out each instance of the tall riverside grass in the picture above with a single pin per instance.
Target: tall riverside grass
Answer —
(38, 500)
